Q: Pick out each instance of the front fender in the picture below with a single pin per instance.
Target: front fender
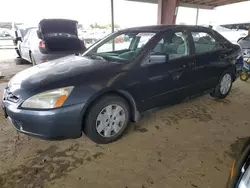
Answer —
(135, 115)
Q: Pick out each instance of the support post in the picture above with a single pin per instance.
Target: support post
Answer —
(167, 11)
(197, 16)
(112, 23)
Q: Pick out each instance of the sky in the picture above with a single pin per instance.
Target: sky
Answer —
(127, 14)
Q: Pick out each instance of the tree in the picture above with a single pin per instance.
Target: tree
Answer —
(79, 26)
(95, 25)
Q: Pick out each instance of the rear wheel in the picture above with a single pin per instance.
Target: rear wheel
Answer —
(224, 86)
(244, 76)
(107, 119)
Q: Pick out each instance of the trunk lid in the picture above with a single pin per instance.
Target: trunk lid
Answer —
(59, 36)
(55, 26)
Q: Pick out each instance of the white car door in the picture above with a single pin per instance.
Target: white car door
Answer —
(24, 46)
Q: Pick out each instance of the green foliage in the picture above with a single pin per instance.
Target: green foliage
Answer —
(107, 26)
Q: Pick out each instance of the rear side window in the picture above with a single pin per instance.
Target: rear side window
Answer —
(204, 42)
(25, 39)
(32, 33)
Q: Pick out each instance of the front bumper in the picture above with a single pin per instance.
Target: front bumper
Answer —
(55, 124)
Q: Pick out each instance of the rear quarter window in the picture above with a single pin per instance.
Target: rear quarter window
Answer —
(205, 42)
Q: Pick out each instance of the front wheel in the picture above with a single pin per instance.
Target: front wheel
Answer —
(107, 119)
(224, 86)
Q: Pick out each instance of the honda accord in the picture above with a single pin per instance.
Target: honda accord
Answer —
(100, 91)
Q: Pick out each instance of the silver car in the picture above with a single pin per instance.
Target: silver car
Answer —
(54, 38)
(245, 45)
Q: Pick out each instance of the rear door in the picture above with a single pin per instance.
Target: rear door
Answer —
(25, 45)
(210, 58)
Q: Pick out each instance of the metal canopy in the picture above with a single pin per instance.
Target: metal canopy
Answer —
(207, 4)
(210, 3)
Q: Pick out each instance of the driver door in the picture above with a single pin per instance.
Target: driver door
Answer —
(168, 82)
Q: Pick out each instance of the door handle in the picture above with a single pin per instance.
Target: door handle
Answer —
(189, 65)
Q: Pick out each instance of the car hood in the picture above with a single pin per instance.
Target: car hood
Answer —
(62, 72)
(47, 26)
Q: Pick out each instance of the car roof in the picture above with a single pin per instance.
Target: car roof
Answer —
(33, 29)
(158, 28)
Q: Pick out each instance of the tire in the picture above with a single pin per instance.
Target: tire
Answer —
(113, 126)
(32, 59)
(244, 76)
(219, 92)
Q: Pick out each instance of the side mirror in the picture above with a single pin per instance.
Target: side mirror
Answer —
(158, 59)
(39, 34)
(240, 171)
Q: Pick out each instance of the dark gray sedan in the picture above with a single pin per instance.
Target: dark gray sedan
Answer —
(112, 83)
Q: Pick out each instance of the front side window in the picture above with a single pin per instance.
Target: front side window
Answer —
(173, 44)
(204, 42)
(120, 46)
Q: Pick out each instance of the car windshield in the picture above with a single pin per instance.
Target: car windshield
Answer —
(120, 46)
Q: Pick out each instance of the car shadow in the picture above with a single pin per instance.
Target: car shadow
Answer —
(20, 61)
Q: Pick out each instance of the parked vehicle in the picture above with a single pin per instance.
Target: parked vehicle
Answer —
(19, 33)
(245, 69)
(240, 172)
(54, 38)
(245, 45)
(102, 90)
(233, 31)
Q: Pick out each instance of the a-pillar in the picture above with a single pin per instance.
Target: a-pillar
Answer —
(167, 11)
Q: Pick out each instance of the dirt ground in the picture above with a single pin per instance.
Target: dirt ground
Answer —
(188, 145)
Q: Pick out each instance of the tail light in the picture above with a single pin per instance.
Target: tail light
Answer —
(44, 60)
(42, 44)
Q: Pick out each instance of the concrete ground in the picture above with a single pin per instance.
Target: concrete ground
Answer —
(10, 64)
(188, 145)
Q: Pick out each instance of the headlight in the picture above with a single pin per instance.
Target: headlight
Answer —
(245, 180)
(49, 99)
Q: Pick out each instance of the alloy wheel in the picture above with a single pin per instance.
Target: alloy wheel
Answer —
(225, 84)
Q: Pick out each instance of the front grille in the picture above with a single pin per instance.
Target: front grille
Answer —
(10, 96)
